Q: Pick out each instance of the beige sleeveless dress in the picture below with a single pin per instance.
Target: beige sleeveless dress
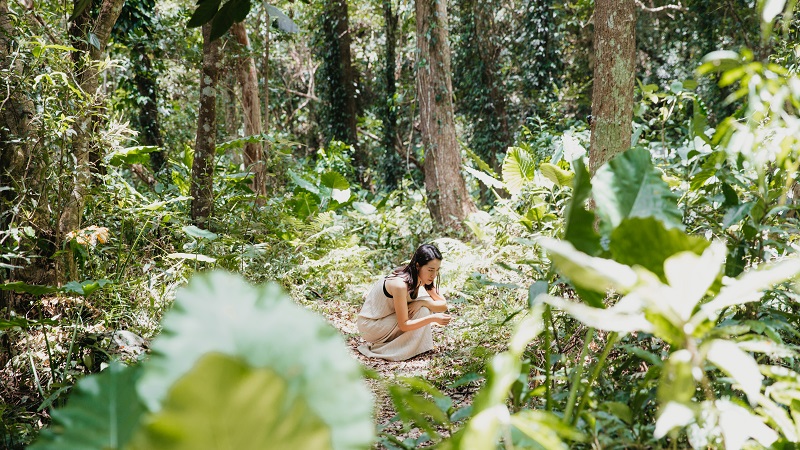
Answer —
(377, 323)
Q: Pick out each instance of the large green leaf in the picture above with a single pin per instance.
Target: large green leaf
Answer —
(103, 412)
(335, 186)
(519, 168)
(630, 186)
(33, 289)
(588, 272)
(223, 403)
(648, 243)
(578, 222)
(219, 312)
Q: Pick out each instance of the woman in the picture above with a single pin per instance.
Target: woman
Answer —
(396, 319)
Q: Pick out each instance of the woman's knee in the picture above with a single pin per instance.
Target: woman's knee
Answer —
(423, 311)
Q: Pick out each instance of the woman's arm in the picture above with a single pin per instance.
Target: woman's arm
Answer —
(437, 302)
(400, 298)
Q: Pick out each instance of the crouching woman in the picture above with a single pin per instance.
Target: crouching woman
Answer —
(400, 309)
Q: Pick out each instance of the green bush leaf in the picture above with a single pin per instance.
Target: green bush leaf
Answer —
(579, 222)
(19, 286)
(519, 168)
(648, 243)
(199, 233)
(245, 408)
(262, 326)
(131, 155)
(629, 186)
(103, 412)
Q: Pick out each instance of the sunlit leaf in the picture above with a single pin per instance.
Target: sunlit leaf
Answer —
(519, 168)
(199, 233)
(556, 174)
(192, 257)
(738, 365)
(591, 273)
(248, 408)
(738, 425)
(624, 317)
(219, 312)
(672, 415)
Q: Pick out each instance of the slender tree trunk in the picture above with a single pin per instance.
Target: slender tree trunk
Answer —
(205, 143)
(265, 74)
(448, 199)
(88, 79)
(338, 73)
(251, 106)
(614, 73)
(16, 111)
(145, 78)
(494, 119)
(391, 164)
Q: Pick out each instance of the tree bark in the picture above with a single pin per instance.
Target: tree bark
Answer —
(448, 199)
(251, 105)
(202, 189)
(614, 73)
(88, 79)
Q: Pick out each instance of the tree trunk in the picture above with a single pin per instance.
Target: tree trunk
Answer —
(337, 71)
(145, 78)
(493, 124)
(251, 105)
(16, 111)
(448, 199)
(202, 189)
(391, 164)
(88, 79)
(614, 73)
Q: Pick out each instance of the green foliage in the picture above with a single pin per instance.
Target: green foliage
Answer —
(259, 411)
(103, 412)
(217, 331)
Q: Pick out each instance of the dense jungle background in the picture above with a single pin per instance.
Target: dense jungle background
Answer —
(194, 197)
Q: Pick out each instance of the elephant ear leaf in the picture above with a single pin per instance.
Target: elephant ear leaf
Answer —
(262, 328)
(519, 168)
(247, 408)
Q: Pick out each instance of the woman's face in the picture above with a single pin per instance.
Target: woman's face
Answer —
(428, 272)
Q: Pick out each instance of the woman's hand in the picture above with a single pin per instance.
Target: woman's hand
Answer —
(441, 318)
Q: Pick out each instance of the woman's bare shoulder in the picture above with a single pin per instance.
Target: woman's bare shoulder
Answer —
(395, 282)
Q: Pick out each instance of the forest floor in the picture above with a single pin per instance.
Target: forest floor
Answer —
(434, 366)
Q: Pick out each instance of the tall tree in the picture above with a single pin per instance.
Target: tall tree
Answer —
(251, 105)
(614, 74)
(391, 163)
(448, 199)
(202, 190)
(337, 80)
(89, 37)
(479, 87)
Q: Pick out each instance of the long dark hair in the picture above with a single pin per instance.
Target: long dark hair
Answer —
(410, 273)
